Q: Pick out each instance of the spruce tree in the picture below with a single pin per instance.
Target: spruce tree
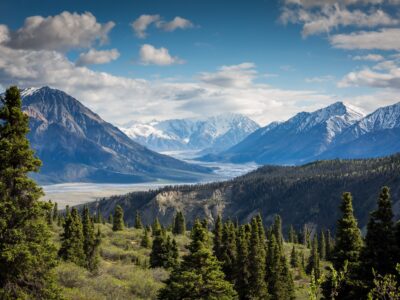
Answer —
(257, 287)
(138, 221)
(277, 230)
(199, 275)
(163, 252)
(72, 239)
(348, 240)
(217, 245)
(229, 250)
(379, 250)
(292, 235)
(91, 242)
(110, 219)
(179, 226)
(294, 259)
(145, 241)
(242, 268)
(313, 261)
(156, 226)
(322, 246)
(55, 212)
(118, 219)
(26, 252)
(328, 245)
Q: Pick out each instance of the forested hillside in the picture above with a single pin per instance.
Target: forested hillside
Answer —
(300, 194)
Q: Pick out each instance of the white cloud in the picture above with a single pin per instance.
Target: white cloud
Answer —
(4, 34)
(236, 76)
(334, 16)
(383, 39)
(149, 55)
(176, 23)
(94, 56)
(320, 79)
(140, 24)
(60, 32)
(369, 57)
(120, 99)
(383, 75)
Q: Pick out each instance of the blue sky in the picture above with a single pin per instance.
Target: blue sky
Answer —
(266, 59)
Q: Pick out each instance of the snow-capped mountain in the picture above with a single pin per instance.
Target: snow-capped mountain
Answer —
(75, 144)
(298, 140)
(210, 134)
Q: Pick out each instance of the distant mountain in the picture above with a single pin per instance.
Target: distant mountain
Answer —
(300, 139)
(377, 134)
(212, 134)
(75, 144)
(308, 194)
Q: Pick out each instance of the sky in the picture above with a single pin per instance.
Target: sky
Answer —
(141, 60)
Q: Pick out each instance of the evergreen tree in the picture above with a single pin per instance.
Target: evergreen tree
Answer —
(277, 230)
(118, 219)
(72, 239)
(229, 250)
(379, 250)
(55, 212)
(257, 287)
(26, 252)
(328, 245)
(292, 235)
(217, 248)
(348, 236)
(242, 270)
(145, 242)
(322, 246)
(156, 226)
(91, 242)
(138, 221)
(294, 259)
(179, 226)
(49, 214)
(313, 260)
(199, 276)
(164, 252)
(110, 219)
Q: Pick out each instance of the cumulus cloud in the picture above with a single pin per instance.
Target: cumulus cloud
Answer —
(94, 56)
(369, 57)
(334, 16)
(120, 99)
(149, 55)
(60, 32)
(176, 23)
(140, 25)
(383, 39)
(320, 79)
(383, 75)
(236, 76)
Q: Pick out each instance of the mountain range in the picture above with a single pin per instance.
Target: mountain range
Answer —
(337, 131)
(75, 144)
(208, 135)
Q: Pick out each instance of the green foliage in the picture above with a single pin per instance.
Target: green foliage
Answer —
(217, 245)
(229, 251)
(145, 242)
(26, 252)
(179, 225)
(385, 287)
(91, 241)
(118, 219)
(333, 283)
(164, 252)
(138, 221)
(313, 264)
(199, 276)
(322, 245)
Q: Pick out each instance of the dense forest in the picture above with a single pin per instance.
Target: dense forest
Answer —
(50, 254)
(302, 194)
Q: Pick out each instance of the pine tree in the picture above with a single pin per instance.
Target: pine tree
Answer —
(156, 226)
(257, 288)
(145, 242)
(242, 268)
(179, 226)
(91, 242)
(118, 219)
(55, 212)
(379, 250)
(313, 261)
(277, 230)
(138, 221)
(322, 246)
(292, 235)
(72, 239)
(348, 236)
(49, 214)
(110, 219)
(328, 245)
(26, 252)
(294, 259)
(199, 276)
(163, 252)
(217, 248)
(229, 250)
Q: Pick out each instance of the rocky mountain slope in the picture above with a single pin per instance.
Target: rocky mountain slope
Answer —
(75, 144)
(300, 139)
(308, 194)
(212, 134)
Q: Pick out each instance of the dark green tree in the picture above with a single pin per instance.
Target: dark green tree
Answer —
(277, 230)
(55, 212)
(217, 245)
(110, 219)
(72, 239)
(348, 240)
(380, 243)
(27, 254)
(91, 242)
(138, 221)
(118, 219)
(329, 245)
(179, 226)
(156, 226)
(242, 268)
(313, 261)
(145, 241)
(292, 235)
(322, 246)
(229, 251)
(294, 258)
(199, 276)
